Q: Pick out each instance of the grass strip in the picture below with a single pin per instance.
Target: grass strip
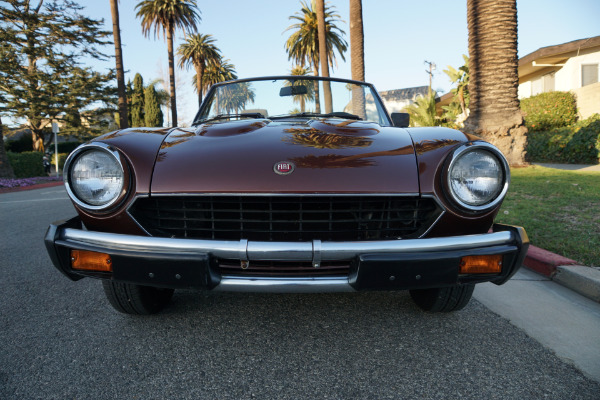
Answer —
(560, 210)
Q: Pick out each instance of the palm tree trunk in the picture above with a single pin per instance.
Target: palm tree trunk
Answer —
(493, 82)
(323, 55)
(123, 118)
(357, 56)
(317, 97)
(6, 170)
(172, 76)
(199, 78)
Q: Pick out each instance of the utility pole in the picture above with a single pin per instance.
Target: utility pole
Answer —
(430, 72)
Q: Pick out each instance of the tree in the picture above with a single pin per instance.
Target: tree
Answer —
(458, 110)
(493, 77)
(460, 77)
(41, 46)
(220, 71)
(303, 44)
(114, 9)
(422, 111)
(323, 54)
(165, 16)
(6, 170)
(198, 51)
(357, 56)
(153, 115)
(137, 102)
(302, 98)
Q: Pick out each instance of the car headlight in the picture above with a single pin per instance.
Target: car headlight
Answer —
(477, 177)
(94, 176)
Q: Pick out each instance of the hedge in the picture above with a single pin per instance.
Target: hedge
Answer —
(27, 164)
(575, 144)
(549, 110)
(24, 143)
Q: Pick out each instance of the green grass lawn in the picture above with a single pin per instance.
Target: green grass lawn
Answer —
(560, 210)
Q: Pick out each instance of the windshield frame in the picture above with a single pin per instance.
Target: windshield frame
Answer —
(213, 88)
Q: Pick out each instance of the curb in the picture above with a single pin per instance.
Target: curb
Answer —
(564, 271)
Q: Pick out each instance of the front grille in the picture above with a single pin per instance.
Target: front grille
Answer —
(288, 218)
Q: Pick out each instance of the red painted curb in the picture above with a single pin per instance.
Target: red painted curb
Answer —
(545, 262)
(38, 186)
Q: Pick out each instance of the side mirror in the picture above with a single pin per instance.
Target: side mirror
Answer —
(400, 120)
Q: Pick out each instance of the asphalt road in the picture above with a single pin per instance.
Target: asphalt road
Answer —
(62, 340)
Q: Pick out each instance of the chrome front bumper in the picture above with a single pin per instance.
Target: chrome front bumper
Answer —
(65, 235)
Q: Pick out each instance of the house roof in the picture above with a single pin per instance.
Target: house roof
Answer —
(553, 56)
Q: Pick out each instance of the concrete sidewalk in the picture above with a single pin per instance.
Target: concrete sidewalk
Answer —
(571, 167)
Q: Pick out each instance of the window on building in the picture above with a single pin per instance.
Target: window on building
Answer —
(589, 74)
(543, 84)
(549, 82)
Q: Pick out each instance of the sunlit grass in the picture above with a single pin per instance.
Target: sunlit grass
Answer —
(560, 211)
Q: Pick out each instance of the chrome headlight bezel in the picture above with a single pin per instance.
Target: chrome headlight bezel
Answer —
(502, 187)
(72, 191)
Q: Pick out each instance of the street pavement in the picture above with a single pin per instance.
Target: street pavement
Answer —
(61, 339)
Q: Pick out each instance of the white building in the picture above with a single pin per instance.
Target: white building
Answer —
(572, 66)
(397, 100)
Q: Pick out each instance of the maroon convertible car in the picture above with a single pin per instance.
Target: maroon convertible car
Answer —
(287, 184)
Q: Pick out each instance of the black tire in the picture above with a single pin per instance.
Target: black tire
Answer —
(136, 299)
(445, 299)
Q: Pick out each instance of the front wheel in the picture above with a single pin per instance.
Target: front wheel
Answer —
(136, 299)
(445, 299)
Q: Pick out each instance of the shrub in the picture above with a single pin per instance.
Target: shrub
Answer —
(549, 110)
(24, 143)
(577, 144)
(26, 164)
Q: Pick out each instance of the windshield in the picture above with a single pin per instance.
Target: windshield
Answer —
(291, 97)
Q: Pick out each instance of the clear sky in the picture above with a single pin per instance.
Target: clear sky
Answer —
(399, 36)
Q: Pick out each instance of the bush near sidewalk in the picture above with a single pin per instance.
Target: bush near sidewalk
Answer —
(549, 110)
(575, 144)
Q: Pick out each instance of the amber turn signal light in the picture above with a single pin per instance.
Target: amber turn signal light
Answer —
(90, 261)
(481, 264)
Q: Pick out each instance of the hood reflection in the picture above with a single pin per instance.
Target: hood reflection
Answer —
(311, 137)
(425, 146)
(354, 161)
(230, 128)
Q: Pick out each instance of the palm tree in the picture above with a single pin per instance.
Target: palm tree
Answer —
(323, 54)
(357, 56)
(220, 71)
(299, 70)
(303, 44)
(493, 78)
(198, 51)
(166, 16)
(422, 111)
(460, 77)
(114, 9)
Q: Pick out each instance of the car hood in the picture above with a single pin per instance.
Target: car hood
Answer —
(329, 155)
